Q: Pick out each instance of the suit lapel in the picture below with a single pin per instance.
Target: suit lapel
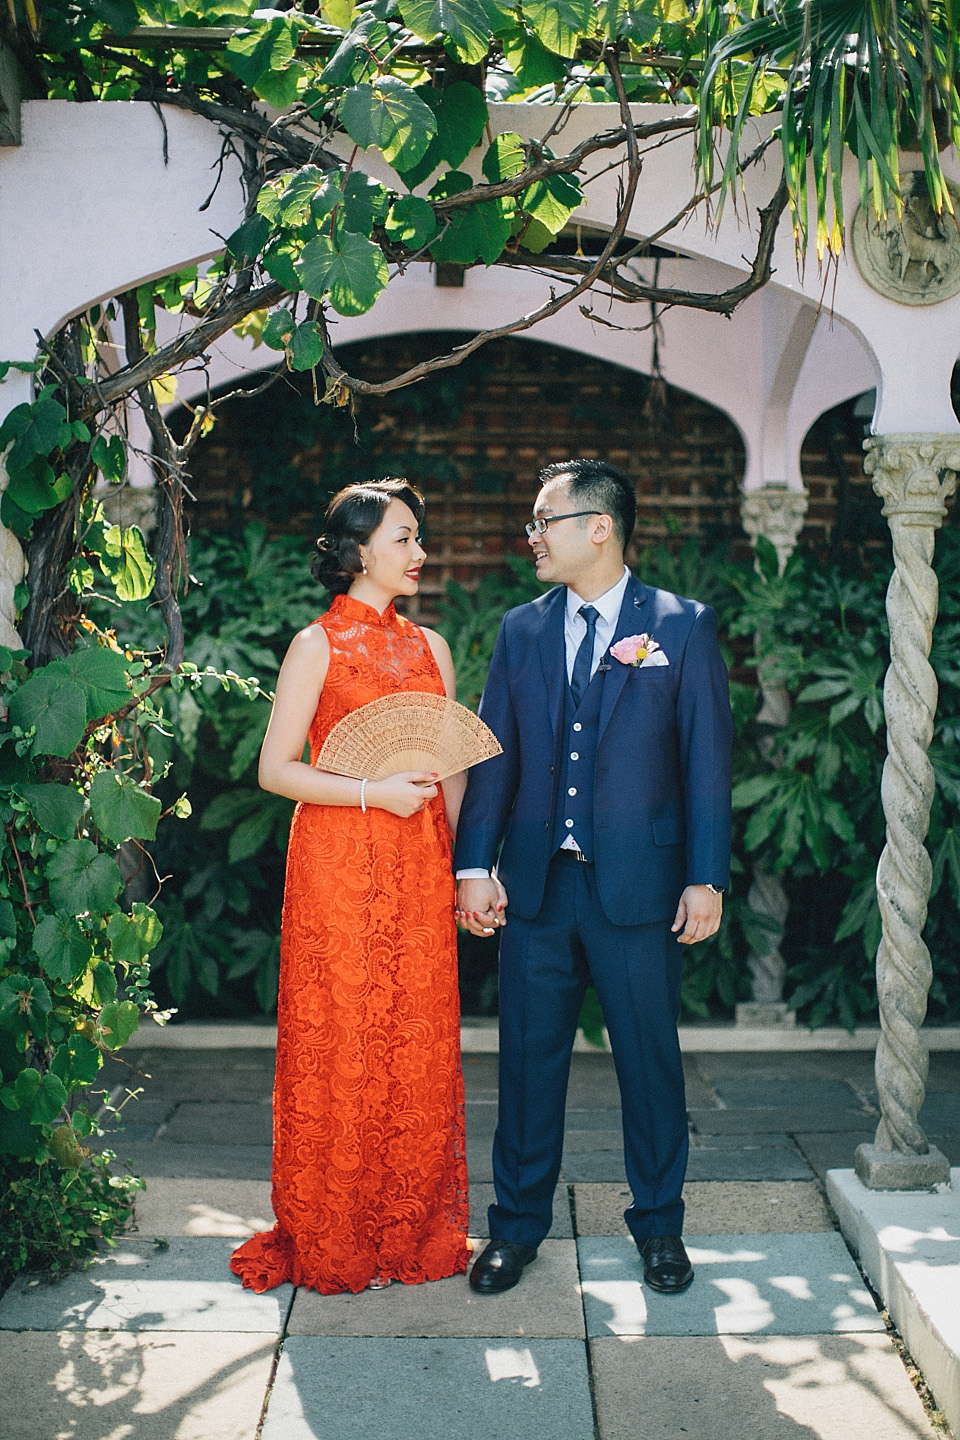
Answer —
(629, 622)
(553, 659)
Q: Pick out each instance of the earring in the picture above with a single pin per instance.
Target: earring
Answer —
(363, 568)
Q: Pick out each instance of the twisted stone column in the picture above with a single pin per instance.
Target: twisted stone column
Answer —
(12, 569)
(777, 514)
(914, 475)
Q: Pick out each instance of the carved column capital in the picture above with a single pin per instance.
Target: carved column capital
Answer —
(914, 475)
(777, 514)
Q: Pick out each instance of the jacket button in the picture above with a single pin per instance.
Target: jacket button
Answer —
(577, 726)
(574, 755)
(551, 769)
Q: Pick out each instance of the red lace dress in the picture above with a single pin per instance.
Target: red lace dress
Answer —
(369, 1169)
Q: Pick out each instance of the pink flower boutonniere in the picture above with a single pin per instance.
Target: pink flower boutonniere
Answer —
(638, 650)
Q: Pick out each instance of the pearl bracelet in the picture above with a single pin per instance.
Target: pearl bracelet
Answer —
(363, 799)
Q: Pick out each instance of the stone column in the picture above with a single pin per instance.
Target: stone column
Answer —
(914, 475)
(777, 514)
(12, 570)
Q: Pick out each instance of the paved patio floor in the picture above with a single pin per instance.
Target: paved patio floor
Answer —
(777, 1339)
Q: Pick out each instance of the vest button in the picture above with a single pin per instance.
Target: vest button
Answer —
(574, 755)
(569, 824)
(572, 790)
(577, 725)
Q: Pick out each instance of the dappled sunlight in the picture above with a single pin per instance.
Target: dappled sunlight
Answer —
(146, 1386)
(206, 1220)
(822, 1382)
(506, 1363)
(901, 1240)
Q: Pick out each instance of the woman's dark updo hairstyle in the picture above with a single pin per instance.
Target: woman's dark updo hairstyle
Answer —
(352, 516)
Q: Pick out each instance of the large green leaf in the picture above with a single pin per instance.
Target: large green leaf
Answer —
(133, 936)
(36, 487)
(351, 269)
(263, 58)
(463, 24)
(365, 203)
(24, 1003)
(58, 709)
(126, 562)
(411, 222)
(559, 23)
(64, 950)
(504, 157)
(57, 808)
(249, 239)
(390, 115)
(34, 429)
(306, 346)
(530, 60)
(101, 673)
(278, 329)
(118, 1020)
(552, 201)
(462, 118)
(477, 232)
(77, 1059)
(121, 809)
(82, 880)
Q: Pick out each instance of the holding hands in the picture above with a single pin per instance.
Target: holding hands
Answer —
(481, 904)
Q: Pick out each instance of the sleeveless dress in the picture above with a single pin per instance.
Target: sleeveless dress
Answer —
(369, 1168)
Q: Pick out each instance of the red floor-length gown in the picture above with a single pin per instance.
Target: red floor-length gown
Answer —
(369, 1169)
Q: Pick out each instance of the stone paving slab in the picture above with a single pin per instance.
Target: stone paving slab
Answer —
(745, 1284)
(825, 1093)
(832, 1152)
(940, 1114)
(329, 1389)
(104, 1385)
(196, 1122)
(595, 1166)
(829, 1387)
(763, 1140)
(716, 1207)
(774, 1162)
(577, 1142)
(856, 1067)
(197, 1208)
(118, 1137)
(786, 1118)
(139, 1286)
(605, 1119)
(545, 1304)
(197, 1162)
(483, 1195)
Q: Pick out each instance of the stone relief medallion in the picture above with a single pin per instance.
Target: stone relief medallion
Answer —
(915, 259)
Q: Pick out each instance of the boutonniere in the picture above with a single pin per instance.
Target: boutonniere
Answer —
(639, 651)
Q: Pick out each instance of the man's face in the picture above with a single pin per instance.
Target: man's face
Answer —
(564, 548)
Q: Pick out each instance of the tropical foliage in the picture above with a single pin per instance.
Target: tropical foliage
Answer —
(93, 724)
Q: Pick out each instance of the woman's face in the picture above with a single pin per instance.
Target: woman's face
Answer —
(393, 555)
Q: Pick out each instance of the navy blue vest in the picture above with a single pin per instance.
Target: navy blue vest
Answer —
(580, 731)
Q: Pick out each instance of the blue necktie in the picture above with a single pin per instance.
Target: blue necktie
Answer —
(583, 663)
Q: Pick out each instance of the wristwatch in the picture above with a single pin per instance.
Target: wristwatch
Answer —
(715, 889)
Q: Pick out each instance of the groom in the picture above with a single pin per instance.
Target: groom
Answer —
(610, 812)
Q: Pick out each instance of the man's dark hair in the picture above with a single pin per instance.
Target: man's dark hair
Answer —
(595, 483)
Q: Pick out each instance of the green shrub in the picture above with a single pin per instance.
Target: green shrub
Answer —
(807, 798)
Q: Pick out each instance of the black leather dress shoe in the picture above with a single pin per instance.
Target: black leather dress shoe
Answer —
(500, 1266)
(666, 1264)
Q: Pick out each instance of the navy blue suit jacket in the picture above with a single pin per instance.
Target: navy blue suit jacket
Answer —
(662, 785)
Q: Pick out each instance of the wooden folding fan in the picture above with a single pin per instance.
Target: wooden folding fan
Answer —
(410, 731)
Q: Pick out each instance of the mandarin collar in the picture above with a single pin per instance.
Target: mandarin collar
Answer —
(353, 609)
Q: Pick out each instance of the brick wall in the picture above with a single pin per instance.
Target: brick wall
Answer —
(473, 439)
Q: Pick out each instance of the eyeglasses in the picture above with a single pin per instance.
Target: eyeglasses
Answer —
(538, 526)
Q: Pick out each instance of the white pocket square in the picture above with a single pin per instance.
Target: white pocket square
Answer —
(656, 657)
